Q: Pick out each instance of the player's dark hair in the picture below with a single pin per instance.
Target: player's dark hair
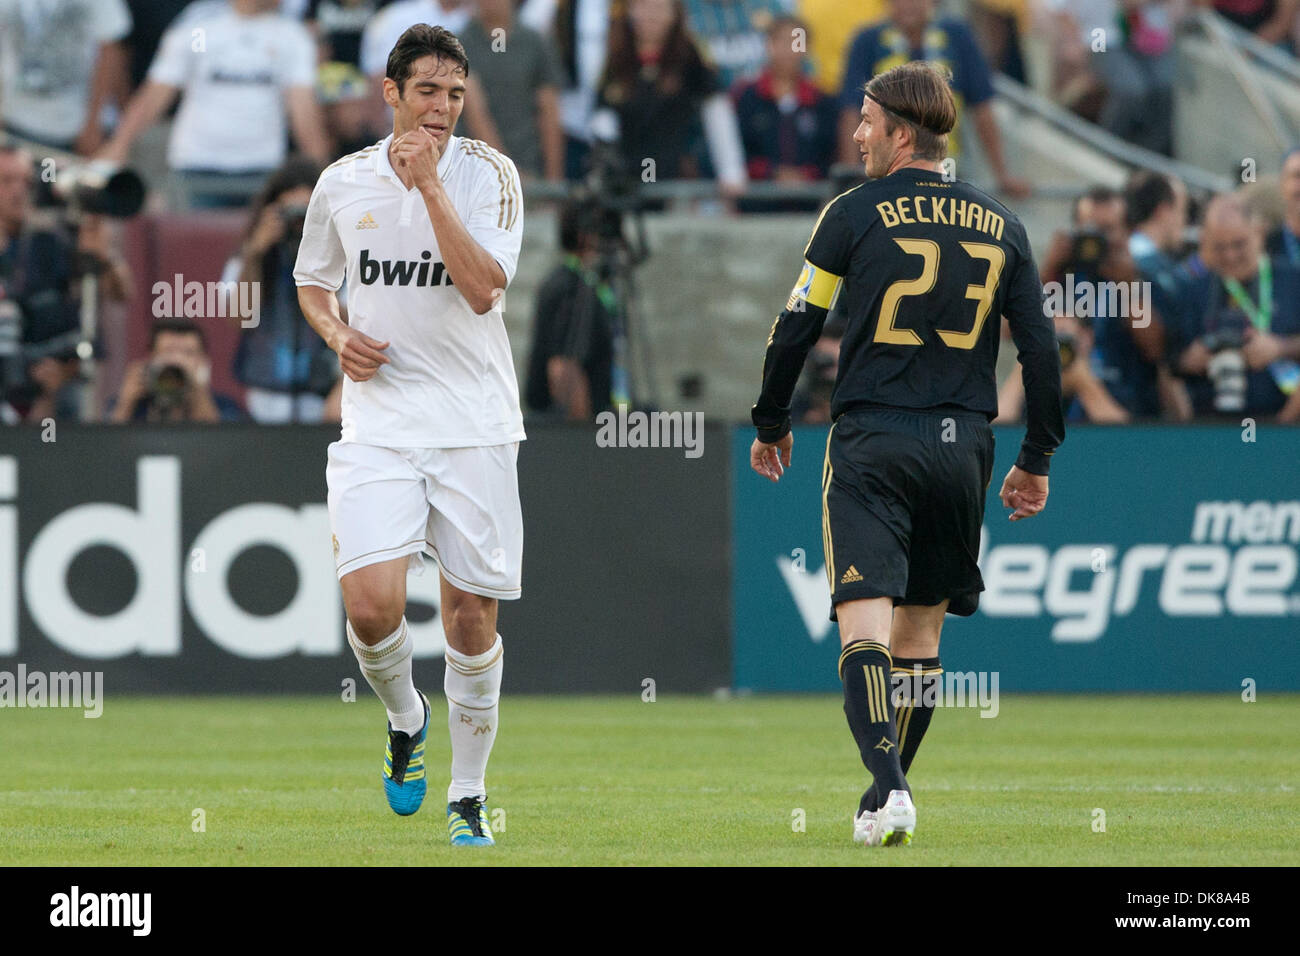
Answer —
(918, 95)
(1145, 193)
(1098, 195)
(179, 327)
(420, 41)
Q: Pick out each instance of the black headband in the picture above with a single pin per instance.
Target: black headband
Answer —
(901, 113)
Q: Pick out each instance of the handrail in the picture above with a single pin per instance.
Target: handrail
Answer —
(1267, 54)
(1213, 26)
(1105, 142)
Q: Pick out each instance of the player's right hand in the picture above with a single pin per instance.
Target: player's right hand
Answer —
(359, 355)
(772, 460)
(1024, 492)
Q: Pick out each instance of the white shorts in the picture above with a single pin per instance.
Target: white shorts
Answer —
(458, 505)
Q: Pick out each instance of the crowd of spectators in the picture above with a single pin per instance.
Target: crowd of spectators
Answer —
(1216, 335)
(1160, 319)
(253, 97)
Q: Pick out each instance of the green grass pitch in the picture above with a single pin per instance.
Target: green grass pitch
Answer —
(680, 781)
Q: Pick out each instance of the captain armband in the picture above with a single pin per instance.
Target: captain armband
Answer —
(815, 287)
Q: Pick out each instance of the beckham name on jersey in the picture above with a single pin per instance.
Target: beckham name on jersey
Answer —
(401, 271)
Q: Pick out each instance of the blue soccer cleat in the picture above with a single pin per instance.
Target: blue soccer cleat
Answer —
(467, 823)
(404, 783)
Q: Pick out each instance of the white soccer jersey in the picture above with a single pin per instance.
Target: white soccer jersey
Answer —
(233, 72)
(450, 382)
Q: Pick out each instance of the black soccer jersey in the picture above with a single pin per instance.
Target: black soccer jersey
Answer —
(924, 269)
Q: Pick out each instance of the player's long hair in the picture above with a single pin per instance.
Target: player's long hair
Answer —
(918, 95)
(622, 66)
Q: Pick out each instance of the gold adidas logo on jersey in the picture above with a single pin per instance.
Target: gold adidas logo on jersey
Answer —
(367, 222)
(851, 576)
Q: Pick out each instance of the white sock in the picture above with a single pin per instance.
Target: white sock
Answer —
(387, 668)
(473, 687)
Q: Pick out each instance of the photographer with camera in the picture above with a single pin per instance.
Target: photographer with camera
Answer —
(1237, 338)
(1126, 348)
(571, 367)
(40, 321)
(173, 384)
(287, 369)
(1083, 396)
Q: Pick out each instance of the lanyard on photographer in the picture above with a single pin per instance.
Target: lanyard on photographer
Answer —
(1261, 316)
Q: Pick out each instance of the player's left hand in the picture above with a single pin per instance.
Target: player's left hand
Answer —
(416, 153)
(1024, 492)
(772, 460)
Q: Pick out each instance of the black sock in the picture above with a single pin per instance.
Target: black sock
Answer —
(918, 693)
(865, 671)
(914, 695)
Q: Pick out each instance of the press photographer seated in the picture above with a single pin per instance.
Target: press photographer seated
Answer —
(173, 383)
(1237, 338)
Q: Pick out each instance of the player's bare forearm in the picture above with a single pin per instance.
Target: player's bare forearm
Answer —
(320, 307)
(360, 356)
(477, 275)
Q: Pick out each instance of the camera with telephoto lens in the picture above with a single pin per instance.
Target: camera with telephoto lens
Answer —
(1227, 368)
(168, 385)
(1088, 250)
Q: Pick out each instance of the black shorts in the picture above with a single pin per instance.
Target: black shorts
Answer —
(902, 506)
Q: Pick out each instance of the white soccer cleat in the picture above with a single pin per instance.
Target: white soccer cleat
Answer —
(866, 828)
(896, 820)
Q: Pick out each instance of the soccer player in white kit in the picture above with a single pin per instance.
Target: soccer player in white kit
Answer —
(426, 227)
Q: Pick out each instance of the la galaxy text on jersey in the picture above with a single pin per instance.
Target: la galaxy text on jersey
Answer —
(922, 269)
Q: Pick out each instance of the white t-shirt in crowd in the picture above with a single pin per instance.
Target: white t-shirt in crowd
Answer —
(47, 58)
(387, 26)
(233, 72)
(450, 382)
(591, 29)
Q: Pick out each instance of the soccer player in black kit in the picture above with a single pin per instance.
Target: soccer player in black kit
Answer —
(925, 267)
